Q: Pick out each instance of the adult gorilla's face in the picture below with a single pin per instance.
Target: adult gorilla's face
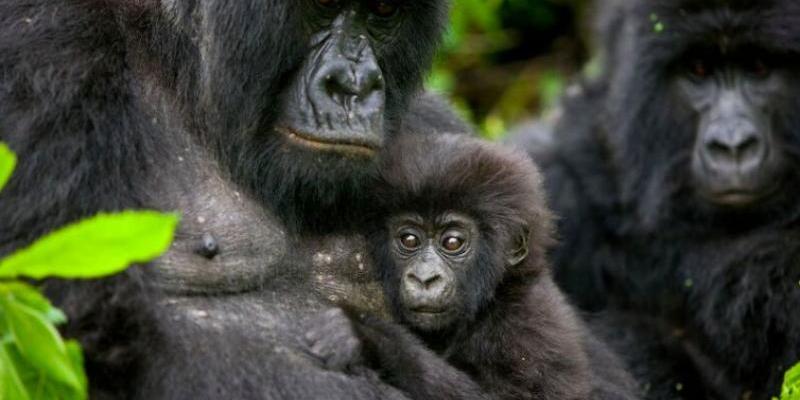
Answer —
(705, 106)
(737, 158)
(300, 94)
(336, 102)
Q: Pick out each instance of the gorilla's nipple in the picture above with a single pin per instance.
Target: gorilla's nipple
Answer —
(209, 247)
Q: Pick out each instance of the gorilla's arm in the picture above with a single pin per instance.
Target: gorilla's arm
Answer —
(654, 354)
(83, 143)
(349, 340)
(610, 378)
(406, 363)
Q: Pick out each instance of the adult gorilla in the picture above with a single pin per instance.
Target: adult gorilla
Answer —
(258, 119)
(675, 175)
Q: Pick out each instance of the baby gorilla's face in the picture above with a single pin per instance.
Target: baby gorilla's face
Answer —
(432, 258)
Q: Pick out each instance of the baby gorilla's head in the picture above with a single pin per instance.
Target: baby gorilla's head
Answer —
(459, 218)
(431, 261)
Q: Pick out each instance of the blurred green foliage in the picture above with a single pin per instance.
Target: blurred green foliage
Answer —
(507, 60)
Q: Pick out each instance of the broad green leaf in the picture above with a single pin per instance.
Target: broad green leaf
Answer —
(11, 386)
(96, 247)
(75, 357)
(37, 385)
(39, 343)
(29, 296)
(791, 384)
(7, 163)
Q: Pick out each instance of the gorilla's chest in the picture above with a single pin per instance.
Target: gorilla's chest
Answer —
(228, 243)
(342, 271)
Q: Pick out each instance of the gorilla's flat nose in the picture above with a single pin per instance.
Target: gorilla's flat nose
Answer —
(424, 281)
(738, 149)
(356, 80)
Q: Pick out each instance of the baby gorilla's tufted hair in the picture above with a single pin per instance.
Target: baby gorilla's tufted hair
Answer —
(497, 186)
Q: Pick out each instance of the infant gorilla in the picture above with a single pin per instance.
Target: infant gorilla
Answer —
(460, 246)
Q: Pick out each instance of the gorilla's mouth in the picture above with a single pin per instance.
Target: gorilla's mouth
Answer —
(317, 143)
(741, 197)
(736, 198)
(429, 310)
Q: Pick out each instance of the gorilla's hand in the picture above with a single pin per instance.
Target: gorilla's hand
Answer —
(332, 339)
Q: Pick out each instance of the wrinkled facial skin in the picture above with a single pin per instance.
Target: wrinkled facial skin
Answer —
(337, 101)
(736, 158)
(431, 260)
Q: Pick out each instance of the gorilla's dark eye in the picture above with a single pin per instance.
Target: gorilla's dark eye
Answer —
(452, 243)
(383, 8)
(409, 241)
(328, 3)
(758, 68)
(700, 69)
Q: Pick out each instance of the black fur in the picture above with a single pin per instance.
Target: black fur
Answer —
(516, 335)
(699, 298)
(170, 105)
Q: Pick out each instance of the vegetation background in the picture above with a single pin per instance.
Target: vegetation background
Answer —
(505, 61)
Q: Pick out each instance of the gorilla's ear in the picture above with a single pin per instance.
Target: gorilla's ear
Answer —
(519, 248)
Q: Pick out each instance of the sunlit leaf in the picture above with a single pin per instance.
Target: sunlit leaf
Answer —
(791, 384)
(7, 163)
(39, 343)
(95, 247)
(29, 296)
(11, 386)
(75, 357)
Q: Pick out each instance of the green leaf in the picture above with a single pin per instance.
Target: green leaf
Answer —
(96, 247)
(29, 296)
(75, 357)
(37, 385)
(7, 163)
(39, 343)
(11, 386)
(791, 384)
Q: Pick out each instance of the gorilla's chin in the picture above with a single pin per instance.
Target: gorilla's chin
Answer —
(739, 196)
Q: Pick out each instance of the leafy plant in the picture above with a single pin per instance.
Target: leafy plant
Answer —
(485, 40)
(35, 362)
(791, 384)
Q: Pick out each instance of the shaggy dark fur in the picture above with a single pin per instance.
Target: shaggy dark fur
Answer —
(698, 297)
(172, 105)
(515, 334)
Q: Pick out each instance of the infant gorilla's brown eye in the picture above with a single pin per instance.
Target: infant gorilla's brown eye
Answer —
(409, 241)
(384, 8)
(452, 243)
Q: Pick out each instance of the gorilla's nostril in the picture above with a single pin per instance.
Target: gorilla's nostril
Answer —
(427, 282)
(339, 85)
(431, 281)
(357, 81)
(749, 148)
(718, 150)
(735, 149)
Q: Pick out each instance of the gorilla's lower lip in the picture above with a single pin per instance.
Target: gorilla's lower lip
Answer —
(736, 198)
(428, 310)
(309, 140)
